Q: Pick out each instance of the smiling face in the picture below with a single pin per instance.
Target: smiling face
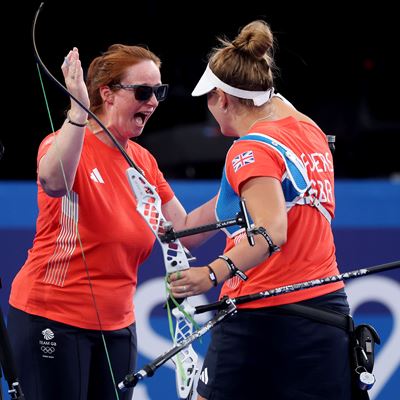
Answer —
(124, 115)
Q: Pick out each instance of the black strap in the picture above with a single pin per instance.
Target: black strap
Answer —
(233, 270)
(341, 321)
(212, 275)
(273, 248)
(324, 316)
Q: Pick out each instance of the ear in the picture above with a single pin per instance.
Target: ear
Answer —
(107, 94)
(223, 100)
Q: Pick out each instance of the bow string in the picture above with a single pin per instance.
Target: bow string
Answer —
(149, 207)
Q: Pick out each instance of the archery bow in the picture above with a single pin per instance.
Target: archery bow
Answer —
(149, 207)
(227, 306)
(68, 194)
(175, 259)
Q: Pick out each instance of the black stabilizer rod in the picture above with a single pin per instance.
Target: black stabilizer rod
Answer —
(170, 235)
(131, 380)
(227, 306)
(300, 286)
(242, 219)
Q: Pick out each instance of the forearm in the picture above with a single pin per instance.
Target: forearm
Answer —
(194, 281)
(243, 256)
(57, 168)
(202, 215)
(266, 206)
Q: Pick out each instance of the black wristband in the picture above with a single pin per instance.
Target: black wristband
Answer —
(76, 123)
(212, 276)
(232, 268)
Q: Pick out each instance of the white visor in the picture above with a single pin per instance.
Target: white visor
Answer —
(209, 81)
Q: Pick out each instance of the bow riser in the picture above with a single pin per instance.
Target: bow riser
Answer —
(149, 207)
(175, 259)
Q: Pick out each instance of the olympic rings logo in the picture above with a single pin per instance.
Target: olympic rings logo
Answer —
(47, 349)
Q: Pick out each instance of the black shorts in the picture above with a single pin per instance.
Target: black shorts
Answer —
(58, 361)
(263, 354)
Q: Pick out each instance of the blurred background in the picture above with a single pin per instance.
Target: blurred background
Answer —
(338, 64)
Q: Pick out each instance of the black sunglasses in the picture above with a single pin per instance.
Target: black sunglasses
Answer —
(144, 92)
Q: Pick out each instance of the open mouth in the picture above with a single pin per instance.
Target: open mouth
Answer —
(141, 117)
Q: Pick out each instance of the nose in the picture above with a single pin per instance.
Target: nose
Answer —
(153, 100)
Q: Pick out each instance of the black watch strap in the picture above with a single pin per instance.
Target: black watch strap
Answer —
(212, 276)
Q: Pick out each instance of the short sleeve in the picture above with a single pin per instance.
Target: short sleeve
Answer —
(45, 145)
(164, 189)
(250, 159)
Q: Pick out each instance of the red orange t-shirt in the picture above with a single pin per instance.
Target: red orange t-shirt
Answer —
(94, 235)
(309, 252)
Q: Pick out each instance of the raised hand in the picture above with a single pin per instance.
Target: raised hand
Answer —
(74, 81)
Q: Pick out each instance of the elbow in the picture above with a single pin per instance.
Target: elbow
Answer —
(51, 188)
(279, 234)
(189, 242)
(54, 182)
(280, 238)
(279, 230)
(51, 180)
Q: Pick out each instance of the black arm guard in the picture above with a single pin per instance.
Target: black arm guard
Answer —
(273, 248)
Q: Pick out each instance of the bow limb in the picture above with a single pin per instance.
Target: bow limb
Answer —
(69, 94)
(41, 65)
(149, 206)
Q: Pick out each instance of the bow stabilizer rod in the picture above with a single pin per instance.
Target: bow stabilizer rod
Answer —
(358, 273)
(227, 306)
(242, 219)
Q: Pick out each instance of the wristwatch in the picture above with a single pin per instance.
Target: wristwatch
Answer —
(212, 276)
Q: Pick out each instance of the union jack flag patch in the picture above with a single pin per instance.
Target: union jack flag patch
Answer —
(243, 159)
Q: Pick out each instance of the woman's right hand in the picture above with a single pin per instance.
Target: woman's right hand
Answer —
(54, 180)
(74, 81)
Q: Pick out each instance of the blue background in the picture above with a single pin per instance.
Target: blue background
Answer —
(367, 232)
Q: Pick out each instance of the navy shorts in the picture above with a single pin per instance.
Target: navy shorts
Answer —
(264, 354)
(58, 361)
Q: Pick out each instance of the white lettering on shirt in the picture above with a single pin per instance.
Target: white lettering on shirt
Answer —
(320, 163)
